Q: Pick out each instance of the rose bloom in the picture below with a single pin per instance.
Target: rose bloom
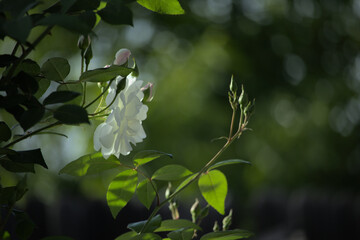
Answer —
(123, 125)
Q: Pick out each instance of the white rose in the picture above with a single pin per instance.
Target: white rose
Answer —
(123, 125)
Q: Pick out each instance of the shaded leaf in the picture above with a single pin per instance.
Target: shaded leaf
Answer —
(18, 28)
(43, 86)
(73, 86)
(228, 162)
(31, 116)
(145, 193)
(171, 225)
(154, 223)
(186, 181)
(227, 235)
(26, 83)
(121, 190)
(56, 69)
(116, 12)
(171, 173)
(213, 187)
(60, 97)
(71, 114)
(7, 59)
(82, 24)
(90, 164)
(171, 7)
(105, 74)
(147, 156)
(29, 67)
(30, 156)
(181, 234)
(5, 132)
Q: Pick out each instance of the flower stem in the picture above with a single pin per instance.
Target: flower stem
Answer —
(101, 94)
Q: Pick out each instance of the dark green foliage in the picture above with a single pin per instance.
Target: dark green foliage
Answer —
(71, 114)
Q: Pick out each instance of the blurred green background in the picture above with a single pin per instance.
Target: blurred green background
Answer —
(299, 59)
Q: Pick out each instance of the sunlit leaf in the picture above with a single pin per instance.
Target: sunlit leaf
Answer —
(126, 236)
(228, 162)
(121, 190)
(116, 12)
(146, 156)
(227, 235)
(60, 97)
(171, 7)
(146, 236)
(171, 173)
(90, 164)
(154, 223)
(5, 132)
(145, 193)
(172, 225)
(71, 114)
(105, 74)
(186, 181)
(213, 187)
(56, 69)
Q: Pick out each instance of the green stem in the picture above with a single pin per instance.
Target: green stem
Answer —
(32, 133)
(232, 122)
(94, 114)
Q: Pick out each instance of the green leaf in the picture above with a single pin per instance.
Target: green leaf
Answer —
(181, 234)
(12, 166)
(57, 238)
(126, 236)
(60, 97)
(121, 190)
(105, 74)
(213, 187)
(228, 162)
(31, 116)
(147, 156)
(82, 23)
(73, 86)
(56, 69)
(227, 235)
(116, 12)
(90, 164)
(146, 236)
(8, 195)
(18, 28)
(5, 132)
(71, 114)
(26, 83)
(171, 225)
(171, 173)
(28, 66)
(30, 156)
(171, 7)
(186, 181)
(7, 60)
(154, 223)
(43, 86)
(6, 236)
(24, 225)
(145, 193)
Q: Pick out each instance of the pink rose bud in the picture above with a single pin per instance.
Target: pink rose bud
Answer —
(122, 56)
(148, 92)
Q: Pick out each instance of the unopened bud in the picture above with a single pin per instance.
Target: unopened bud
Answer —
(194, 210)
(88, 54)
(148, 92)
(243, 99)
(227, 221)
(122, 56)
(168, 191)
(120, 85)
(216, 227)
(83, 42)
(233, 86)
